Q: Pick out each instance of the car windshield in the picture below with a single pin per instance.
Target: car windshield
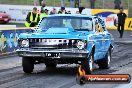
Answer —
(77, 23)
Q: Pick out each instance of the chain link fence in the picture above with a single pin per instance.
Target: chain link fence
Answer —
(99, 4)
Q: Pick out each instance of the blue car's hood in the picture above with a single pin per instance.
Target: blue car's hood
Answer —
(67, 33)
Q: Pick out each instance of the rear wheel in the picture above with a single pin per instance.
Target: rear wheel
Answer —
(87, 64)
(105, 62)
(27, 64)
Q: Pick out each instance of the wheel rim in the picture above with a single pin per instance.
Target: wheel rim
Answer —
(91, 63)
(109, 58)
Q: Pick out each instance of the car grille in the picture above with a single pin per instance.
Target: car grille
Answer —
(52, 43)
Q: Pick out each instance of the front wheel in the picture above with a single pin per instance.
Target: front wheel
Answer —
(105, 62)
(27, 64)
(87, 64)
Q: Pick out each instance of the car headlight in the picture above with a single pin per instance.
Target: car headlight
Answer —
(81, 44)
(25, 43)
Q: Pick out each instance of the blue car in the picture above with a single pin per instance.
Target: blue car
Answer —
(67, 39)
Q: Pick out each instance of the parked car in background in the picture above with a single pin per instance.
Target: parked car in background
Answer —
(4, 18)
(67, 39)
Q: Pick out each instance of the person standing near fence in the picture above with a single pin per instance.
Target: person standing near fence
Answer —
(43, 3)
(121, 22)
(117, 4)
(32, 18)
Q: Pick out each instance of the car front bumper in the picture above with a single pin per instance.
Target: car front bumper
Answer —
(58, 53)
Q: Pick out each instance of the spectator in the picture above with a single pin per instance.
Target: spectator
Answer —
(92, 4)
(117, 4)
(32, 18)
(121, 21)
(35, 2)
(62, 11)
(53, 11)
(44, 13)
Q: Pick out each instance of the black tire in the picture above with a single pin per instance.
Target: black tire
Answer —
(87, 64)
(27, 64)
(105, 62)
(50, 65)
